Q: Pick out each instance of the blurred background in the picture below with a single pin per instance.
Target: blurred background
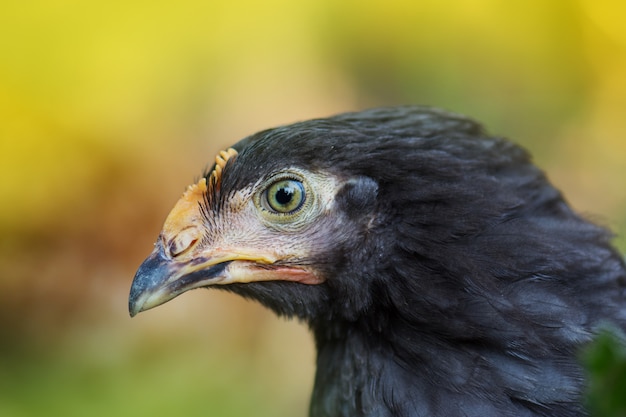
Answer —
(109, 109)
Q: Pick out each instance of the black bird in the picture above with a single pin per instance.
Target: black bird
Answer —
(440, 272)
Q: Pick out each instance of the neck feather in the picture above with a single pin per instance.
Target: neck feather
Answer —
(368, 374)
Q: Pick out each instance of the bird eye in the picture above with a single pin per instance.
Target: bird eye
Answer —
(285, 196)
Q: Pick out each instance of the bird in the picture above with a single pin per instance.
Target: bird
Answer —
(438, 269)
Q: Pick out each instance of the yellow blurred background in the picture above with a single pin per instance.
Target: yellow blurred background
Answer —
(109, 109)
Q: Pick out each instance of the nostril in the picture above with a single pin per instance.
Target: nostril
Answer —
(183, 242)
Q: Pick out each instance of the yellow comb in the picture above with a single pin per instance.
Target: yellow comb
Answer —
(220, 162)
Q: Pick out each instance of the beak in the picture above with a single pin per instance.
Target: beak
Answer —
(161, 278)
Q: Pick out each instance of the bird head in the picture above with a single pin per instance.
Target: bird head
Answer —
(267, 222)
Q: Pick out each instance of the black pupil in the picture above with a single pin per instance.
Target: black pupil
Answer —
(284, 195)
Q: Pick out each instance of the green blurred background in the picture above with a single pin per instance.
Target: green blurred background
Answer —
(109, 109)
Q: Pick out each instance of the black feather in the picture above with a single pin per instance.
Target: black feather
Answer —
(460, 282)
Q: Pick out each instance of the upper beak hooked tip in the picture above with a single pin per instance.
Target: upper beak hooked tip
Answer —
(159, 279)
(149, 283)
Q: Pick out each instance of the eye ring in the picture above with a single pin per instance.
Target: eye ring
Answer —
(285, 196)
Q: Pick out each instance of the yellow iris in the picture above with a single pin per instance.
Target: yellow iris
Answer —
(285, 196)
